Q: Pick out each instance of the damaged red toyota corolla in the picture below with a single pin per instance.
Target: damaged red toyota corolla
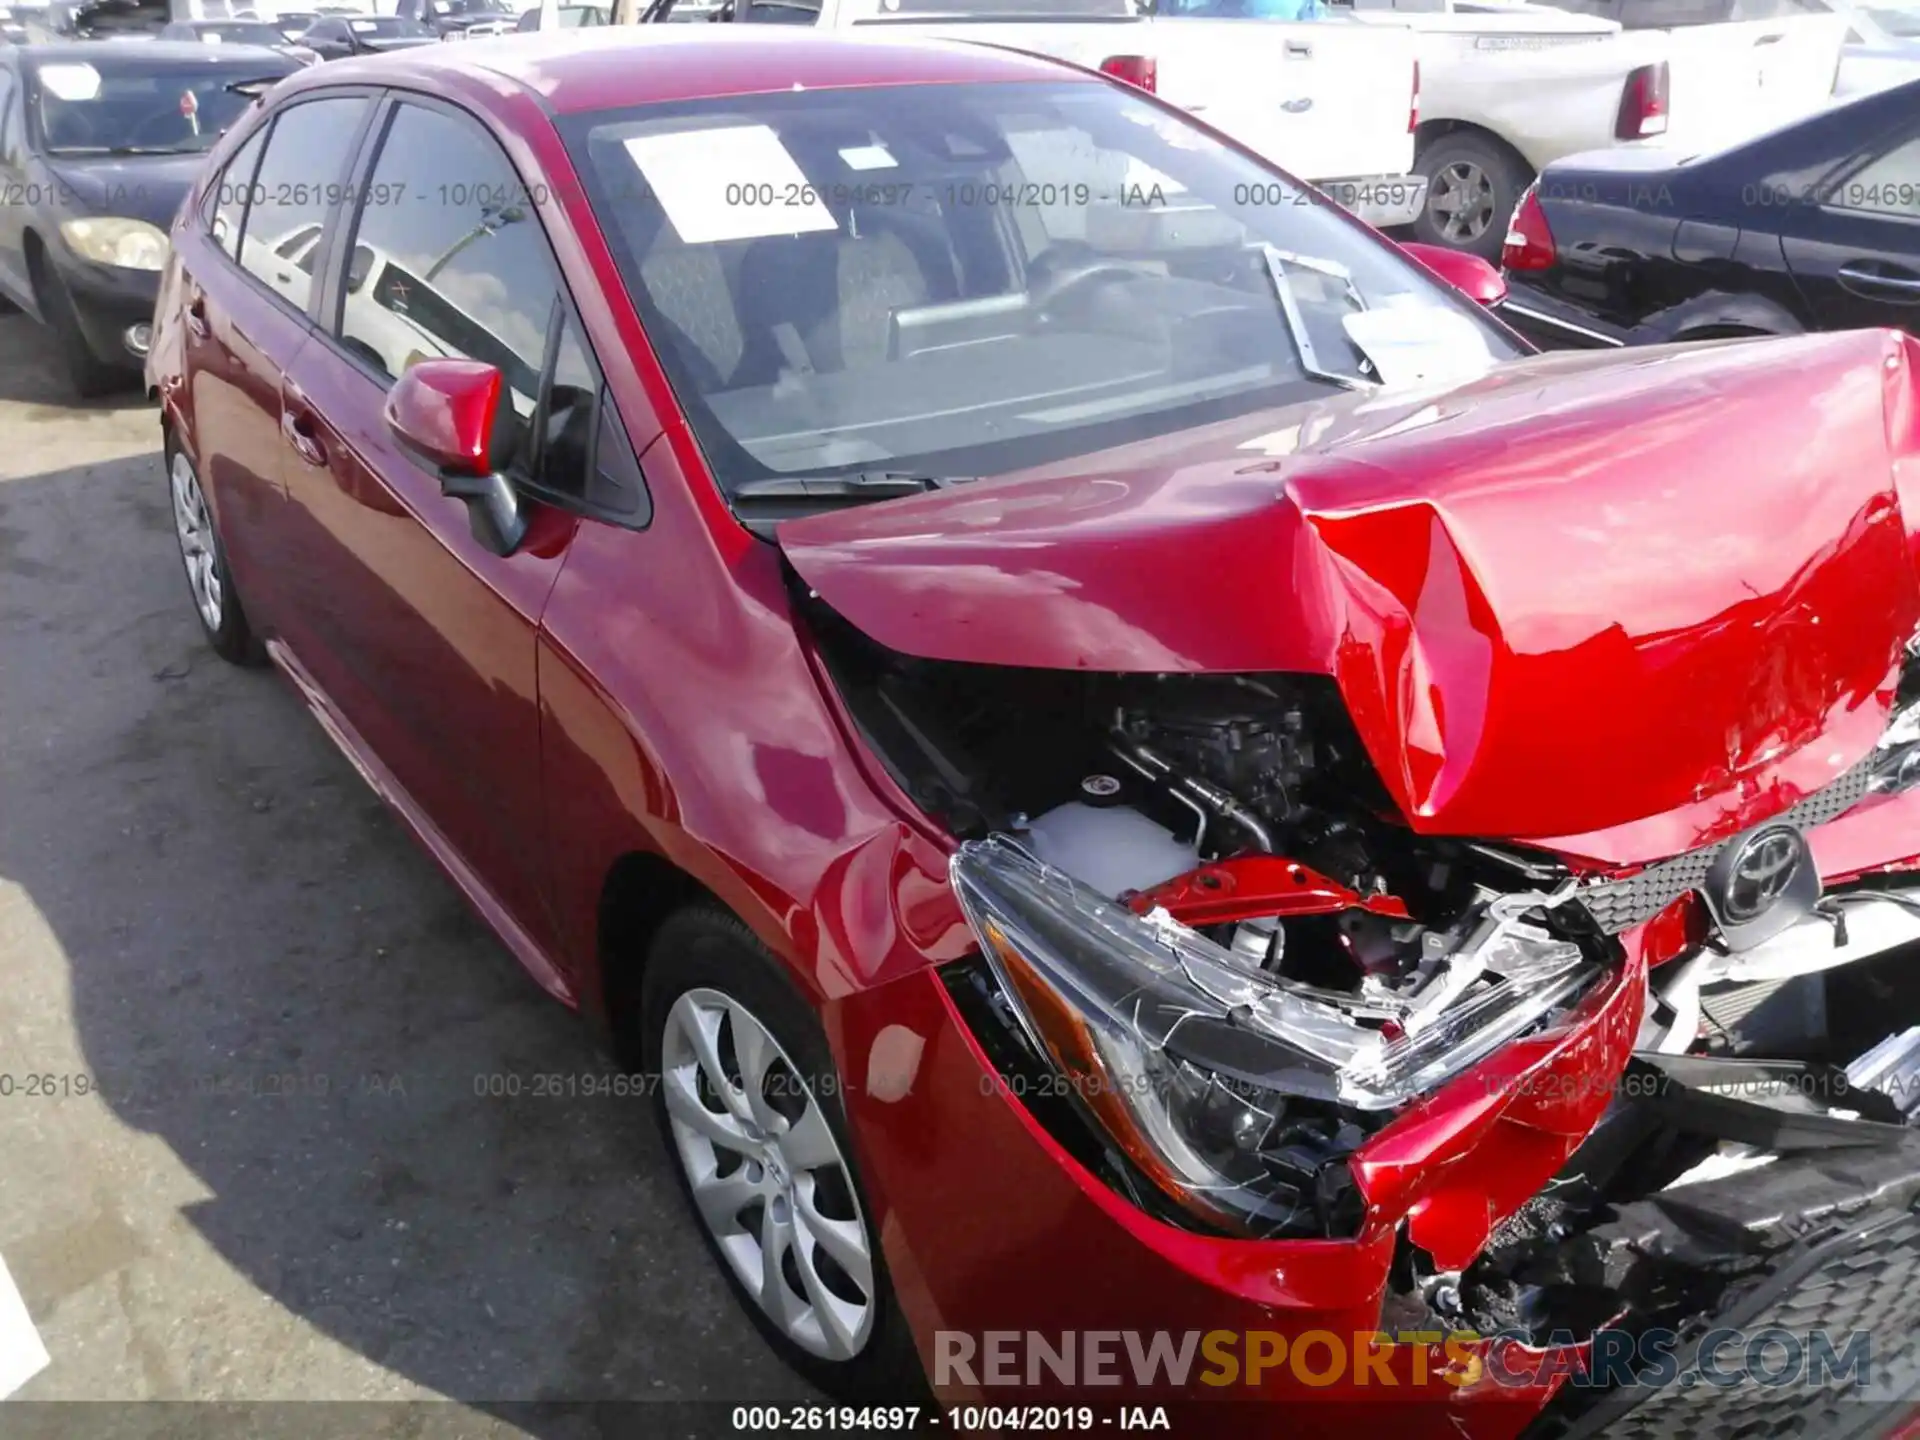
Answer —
(1132, 763)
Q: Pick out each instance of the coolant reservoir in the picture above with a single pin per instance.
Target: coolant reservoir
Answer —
(1112, 848)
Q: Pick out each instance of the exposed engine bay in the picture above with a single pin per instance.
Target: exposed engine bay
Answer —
(1197, 904)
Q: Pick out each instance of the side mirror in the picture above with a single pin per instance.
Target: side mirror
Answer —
(451, 416)
(1469, 274)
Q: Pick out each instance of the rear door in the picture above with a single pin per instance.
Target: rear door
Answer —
(244, 320)
(1855, 251)
(427, 636)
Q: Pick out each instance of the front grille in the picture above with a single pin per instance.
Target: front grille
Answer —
(1618, 905)
(1867, 1278)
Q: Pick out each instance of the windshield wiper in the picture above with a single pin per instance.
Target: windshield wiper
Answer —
(859, 485)
(1277, 262)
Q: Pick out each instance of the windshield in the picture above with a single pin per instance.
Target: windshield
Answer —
(238, 33)
(385, 27)
(1903, 23)
(474, 7)
(959, 280)
(124, 101)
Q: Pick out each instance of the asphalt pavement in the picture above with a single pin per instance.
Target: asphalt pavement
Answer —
(248, 1150)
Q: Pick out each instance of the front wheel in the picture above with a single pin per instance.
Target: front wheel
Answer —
(1473, 184)
(747, 1099)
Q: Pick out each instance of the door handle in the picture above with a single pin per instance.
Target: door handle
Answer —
(1893, 287)
(197, 316)
(296, 426)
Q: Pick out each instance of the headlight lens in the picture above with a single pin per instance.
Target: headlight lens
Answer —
(1234, 1090)
(116, 240)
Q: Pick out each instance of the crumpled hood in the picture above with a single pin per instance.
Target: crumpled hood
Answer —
(1622, 603)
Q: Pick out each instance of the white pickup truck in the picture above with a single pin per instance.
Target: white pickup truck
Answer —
(1331, 102)
(1508, 87)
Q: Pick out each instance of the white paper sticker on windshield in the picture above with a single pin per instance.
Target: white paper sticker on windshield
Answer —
(868, 157)
(211, 37)
(733, 184)
(71, 82)
(1419, 344)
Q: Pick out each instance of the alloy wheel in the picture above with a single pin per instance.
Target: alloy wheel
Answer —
(767, 1174)
(1460, 199)
(193, 525)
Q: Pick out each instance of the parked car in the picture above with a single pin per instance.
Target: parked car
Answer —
(335, 37)
(237, 32)
(1883, 47)
(461, 19)
(292, 23)
(565, 17)
(98, 146)
(1123, 763)
(1508, 88)
(1813, 227)
(1331, 102)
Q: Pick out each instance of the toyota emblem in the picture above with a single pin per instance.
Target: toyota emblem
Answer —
(1760, 871)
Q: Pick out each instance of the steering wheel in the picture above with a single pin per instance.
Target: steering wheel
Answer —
(1056, 284)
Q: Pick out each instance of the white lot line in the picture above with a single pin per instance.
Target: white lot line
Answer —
(22, 1355)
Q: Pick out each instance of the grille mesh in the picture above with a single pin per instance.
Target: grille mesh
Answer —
(1618, 905)
(1870, 1282)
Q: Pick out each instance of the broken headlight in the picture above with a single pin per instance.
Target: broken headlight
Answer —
(1234, 1090)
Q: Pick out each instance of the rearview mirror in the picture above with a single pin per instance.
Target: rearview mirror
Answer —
(1467, 273)
(451, 417)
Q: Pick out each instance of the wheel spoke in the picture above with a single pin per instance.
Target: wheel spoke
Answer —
(701, 1025)
(844, 1240)
(721, 1198)
(776, 1237)
(808, 1143)
(756, 1052)
(829, 1309)
(685, 1105)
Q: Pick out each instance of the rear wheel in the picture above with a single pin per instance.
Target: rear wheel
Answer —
(747, 1100)
(214, 598)
(1473, 184)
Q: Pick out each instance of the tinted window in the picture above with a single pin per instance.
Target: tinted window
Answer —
(229, 194)
(449, 258)
(1889, 185)
(778, 12)
(120, 98)
(300, 173)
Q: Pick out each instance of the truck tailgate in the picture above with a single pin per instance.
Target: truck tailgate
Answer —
(1325, 100)
(1736, 80)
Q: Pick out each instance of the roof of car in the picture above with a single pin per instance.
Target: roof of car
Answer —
(608, 67)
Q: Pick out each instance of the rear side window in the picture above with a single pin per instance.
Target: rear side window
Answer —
(448, 258)
(300, 175)
(227, 194)
(1889, 184)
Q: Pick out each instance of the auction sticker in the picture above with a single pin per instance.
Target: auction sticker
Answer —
(733, 183)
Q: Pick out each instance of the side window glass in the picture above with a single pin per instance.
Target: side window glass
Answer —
(301, 172)
(227, 194)
(449, 259)
(1886, 185)
(778, 12)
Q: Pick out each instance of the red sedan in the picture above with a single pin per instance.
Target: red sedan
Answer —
(1165, 810)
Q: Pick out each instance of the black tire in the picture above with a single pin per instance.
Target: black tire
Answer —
(705, 948)
(88, 374)
(232, 638)
(1468, 161)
